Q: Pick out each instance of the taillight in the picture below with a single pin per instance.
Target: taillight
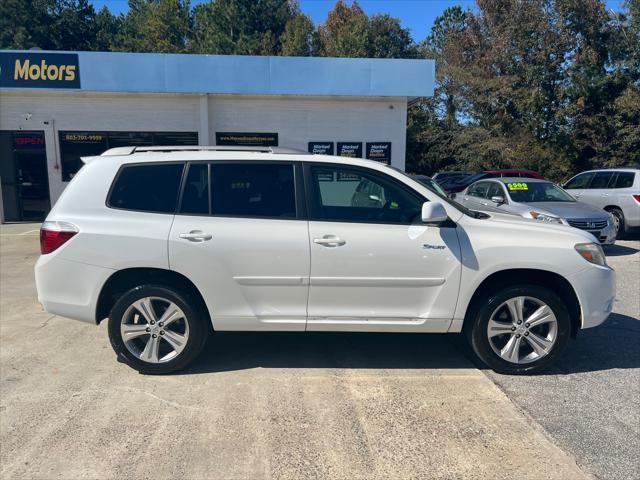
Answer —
(55, 234)
(637, 197)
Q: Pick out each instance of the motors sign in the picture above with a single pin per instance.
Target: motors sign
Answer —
(39, 70)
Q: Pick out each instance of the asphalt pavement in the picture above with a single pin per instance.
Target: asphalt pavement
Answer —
(310, 405)
(589, 402)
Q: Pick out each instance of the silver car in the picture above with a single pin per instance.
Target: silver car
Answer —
(614, 190)
(540, 200)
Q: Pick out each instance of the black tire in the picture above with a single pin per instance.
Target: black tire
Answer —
(193, 316)
(478, 336)
(622, 226)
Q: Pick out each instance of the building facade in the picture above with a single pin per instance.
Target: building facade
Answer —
(57, 107)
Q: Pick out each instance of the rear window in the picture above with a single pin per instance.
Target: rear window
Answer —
(148, 188)
(253, 190)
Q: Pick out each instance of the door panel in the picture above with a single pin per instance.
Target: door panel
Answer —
(374, 266)
(239, 238)
(383, 274)
(252, 273)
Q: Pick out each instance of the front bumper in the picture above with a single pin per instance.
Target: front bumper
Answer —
(606, 236)
(596, 290)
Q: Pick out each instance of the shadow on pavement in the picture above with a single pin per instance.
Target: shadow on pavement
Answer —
(227, 351)
(610, 346)
(619, 250)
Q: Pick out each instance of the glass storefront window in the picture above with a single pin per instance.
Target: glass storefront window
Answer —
(74, 145)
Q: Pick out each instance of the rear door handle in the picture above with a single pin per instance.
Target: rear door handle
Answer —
(196, 236)
(329, 241)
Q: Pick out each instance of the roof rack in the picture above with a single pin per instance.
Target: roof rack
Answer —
(197, 148)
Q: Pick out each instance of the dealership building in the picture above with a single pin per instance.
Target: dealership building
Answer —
(58, 106)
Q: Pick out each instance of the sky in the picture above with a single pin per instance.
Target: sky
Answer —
(416, 15)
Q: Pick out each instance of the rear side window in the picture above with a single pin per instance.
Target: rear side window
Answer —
(624, 180)
(253, 190)
(148, 188)
(195, 196)
(601, 180)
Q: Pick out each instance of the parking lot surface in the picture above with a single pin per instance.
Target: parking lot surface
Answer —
(590, 400)
(291, 405)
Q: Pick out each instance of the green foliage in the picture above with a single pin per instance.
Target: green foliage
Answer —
(243, 27)
(298, 38)
(552, 85)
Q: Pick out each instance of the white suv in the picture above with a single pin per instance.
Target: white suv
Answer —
(173, 244)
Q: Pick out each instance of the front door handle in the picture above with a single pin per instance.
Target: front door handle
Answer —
(329, 241)
(196, 236)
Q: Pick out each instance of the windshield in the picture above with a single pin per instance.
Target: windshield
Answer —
(534, 192)
(444, 197)
(431, 184)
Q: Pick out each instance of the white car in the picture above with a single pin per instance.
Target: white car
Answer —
(172, 244)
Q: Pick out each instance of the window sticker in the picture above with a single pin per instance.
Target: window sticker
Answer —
(517, 186)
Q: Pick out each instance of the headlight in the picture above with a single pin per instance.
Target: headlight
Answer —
(611, 220)
(592, 253)
(542, 217)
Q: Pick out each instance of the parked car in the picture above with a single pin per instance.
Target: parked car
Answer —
(173, 244)
(615, 190)
(447, 178)
(511, 173)
(430, 183)
(539, 200)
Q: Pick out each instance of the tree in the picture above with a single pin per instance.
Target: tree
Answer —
(345, 32)
(244, 27)
(387, 38)
(298, 37)
(47, 24)
(107, 28)
(159, 26)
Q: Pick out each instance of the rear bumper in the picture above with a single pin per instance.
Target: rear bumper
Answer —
(69, 289)
(596, 290)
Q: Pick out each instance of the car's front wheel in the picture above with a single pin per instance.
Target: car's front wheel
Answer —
(156, 330)
(520, 329)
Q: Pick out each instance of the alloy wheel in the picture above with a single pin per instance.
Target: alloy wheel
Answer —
(522, 330)
(154, 329)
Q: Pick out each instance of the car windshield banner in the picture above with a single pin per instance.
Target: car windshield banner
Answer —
(379, 151)
(39, 70)
(321, 148)
(244, 139)
(350, 149)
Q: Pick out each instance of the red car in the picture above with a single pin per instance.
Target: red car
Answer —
(465, 182)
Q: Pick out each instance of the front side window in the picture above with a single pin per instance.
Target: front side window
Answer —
(495, 190)
(148, 188)
(579, 181)
(479, 189)
(601, 180)
(253, 190)
(354, 195)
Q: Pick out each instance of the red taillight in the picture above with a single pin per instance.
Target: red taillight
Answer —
(637, 197)
(55, 234)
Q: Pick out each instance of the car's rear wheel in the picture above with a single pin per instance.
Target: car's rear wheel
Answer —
(156, 330)
(520, 329)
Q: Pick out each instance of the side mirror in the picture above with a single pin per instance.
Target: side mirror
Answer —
(452, 196)
(498, 199)
(433, 213)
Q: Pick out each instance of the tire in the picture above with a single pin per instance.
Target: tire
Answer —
(550, 336)
(621, 224)
(177, 341)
